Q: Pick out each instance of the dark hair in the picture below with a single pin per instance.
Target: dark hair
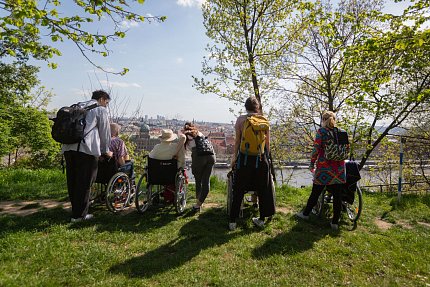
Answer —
(187, 125)
(252, 105)
(100, 94)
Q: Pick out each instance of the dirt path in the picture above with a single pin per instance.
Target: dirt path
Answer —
(28, 207)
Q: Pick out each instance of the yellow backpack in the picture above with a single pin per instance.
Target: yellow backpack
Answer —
(254, 135)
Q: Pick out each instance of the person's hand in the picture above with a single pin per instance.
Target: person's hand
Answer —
(109, 154)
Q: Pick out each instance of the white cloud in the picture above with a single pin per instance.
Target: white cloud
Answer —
(190, 3)
(179, 60)
(129, 24)
(120, 84)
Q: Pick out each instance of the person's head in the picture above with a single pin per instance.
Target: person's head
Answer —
(252, 105)
(167, 135)
(190, 130)
(114, 129)
(101, 97)
(328, 120)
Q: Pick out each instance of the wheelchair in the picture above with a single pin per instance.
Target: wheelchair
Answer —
(157, 181)
(115, 186)
(230, 181)
(352, 196)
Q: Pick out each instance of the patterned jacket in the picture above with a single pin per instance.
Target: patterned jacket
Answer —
(327, 172)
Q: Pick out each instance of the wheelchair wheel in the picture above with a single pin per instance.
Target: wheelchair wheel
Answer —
(180, 193)
(354, 210)
(143, 194)
(229, 193)
(118, 192)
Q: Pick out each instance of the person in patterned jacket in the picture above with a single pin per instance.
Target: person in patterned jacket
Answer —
(328, 174)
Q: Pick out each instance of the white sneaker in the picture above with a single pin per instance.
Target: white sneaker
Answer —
(302, 216)
(232, 226)
(79, 219)
(258, 222)
(334, 226)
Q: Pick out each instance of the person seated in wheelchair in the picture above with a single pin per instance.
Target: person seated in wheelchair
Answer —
(118, 161)
(167, 149)
(119, 150)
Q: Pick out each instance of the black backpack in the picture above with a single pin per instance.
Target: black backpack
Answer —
(203, 146)
(69, 125)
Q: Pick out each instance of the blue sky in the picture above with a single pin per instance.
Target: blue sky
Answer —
(161, 57)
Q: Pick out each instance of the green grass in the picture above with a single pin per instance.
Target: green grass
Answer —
(162, 249)
(20, 184)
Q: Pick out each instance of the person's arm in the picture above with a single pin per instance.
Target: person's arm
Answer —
(104, 131)
(267, 141)
(126, 156)
(180, 145)
(154, 152)
(316, 150)
(238, 134)
(121, 161)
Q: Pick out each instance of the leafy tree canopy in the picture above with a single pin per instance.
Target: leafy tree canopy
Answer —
(247, 39)
(23, 24)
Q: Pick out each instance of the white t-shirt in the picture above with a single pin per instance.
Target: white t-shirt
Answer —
(166, 151)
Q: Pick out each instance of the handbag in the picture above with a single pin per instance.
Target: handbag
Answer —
(203, 146)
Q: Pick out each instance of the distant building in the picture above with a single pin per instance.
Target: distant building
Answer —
(143, 140)
(219, 143)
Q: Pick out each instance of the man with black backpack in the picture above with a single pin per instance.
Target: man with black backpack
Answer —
(82, 156)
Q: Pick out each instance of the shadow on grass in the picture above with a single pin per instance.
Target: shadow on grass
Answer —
(299, 238)
(103, 220)
(38, 221)
(209, 229)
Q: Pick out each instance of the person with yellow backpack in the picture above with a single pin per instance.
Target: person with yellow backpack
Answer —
(251, 163)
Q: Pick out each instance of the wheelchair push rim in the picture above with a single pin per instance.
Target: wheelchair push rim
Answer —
(353, 211)
(143, 194)
(180, 193)
(118, 192)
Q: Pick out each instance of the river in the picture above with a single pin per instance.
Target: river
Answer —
(299, 177)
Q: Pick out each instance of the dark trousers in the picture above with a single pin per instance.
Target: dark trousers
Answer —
(201, 167)
(252, 177)
(336, 190)
(81, 172)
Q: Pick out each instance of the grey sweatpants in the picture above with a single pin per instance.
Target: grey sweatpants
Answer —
(201, 167)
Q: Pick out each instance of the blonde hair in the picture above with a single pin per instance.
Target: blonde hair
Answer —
(328, 120)
(114, 129)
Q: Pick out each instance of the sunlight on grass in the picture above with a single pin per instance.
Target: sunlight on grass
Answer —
(160, 248)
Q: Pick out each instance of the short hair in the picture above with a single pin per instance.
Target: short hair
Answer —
(328, 120)
(252, 105)
(114, 129)
(100, 94)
